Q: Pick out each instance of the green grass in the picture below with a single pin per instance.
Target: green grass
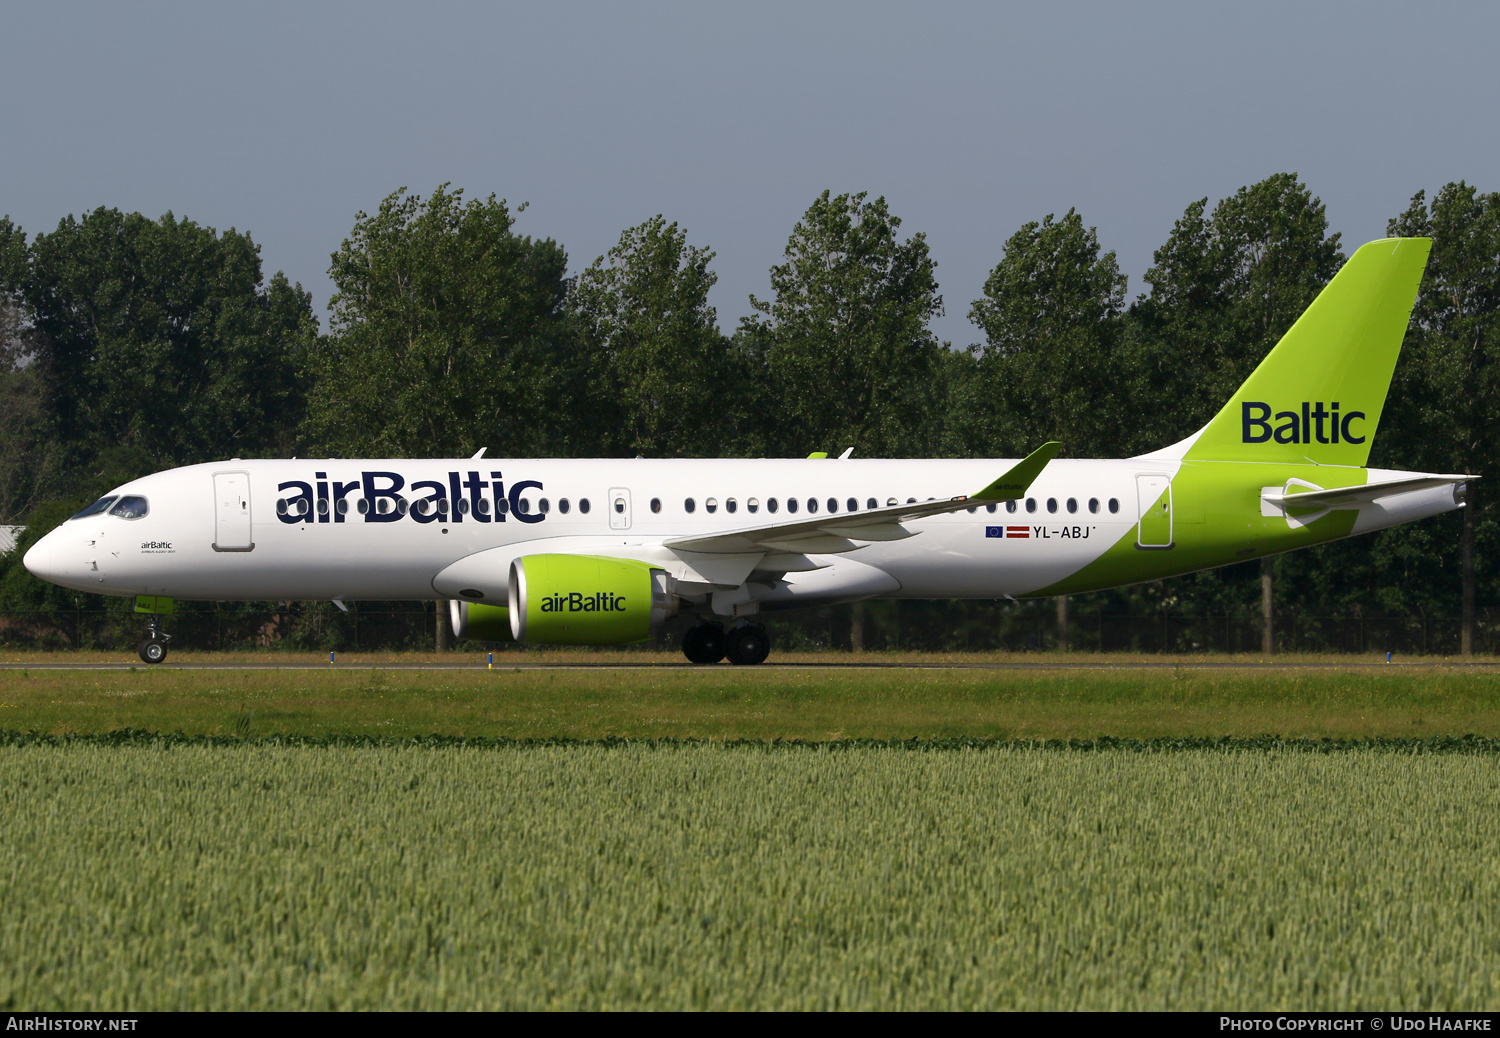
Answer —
(733, 703)
(703, 875)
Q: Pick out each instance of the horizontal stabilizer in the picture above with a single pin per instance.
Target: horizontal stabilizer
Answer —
(1355, 496)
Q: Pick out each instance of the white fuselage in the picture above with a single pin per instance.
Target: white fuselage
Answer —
(196, 543)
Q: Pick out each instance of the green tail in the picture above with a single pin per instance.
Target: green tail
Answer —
(1318, 395)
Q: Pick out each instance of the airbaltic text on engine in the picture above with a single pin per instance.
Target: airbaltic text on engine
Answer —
(577, 602)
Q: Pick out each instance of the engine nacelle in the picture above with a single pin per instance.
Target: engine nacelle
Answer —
(587, 600)
(480, 623)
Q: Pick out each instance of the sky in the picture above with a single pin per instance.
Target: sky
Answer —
(286, 120)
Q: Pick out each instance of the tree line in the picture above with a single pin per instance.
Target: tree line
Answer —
(129, 344)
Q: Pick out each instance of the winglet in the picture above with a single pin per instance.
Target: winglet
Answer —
(817, 454)
(1015, 482)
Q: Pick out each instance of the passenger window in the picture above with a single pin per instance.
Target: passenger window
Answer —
(1094, 505)
(1052, 504)
(133, 507)
(689, 506)
(422, 507)
(990, 508)
(872, 503)
(791, 504)
(833, 504)
(1010, 506)
(280, 508)
(752, 506)
(463, 505)
(971, 511)
(711, 505)
(1031, 504)
(523, 506)
(1114, 505)
(98, 506)
(362, 506)
(891, 501)
(502, 506)
(1072, 504)
(442, 506)
(911, 500)
(731, 505)
(620, 506)
(401, 506)
(482, 506)
(812, 504)
(382, 506)
(771, 504)
(563, 505)
(656, 504)
(583, 505)
(544, 506)
(323, 506)
(342, 508)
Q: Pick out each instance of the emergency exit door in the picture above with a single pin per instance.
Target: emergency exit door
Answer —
(619, 509)
(232, 511)
(1154, 499)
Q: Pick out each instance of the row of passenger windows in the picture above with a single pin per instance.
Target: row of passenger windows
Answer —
(711, 505)
(1072, 505)
(427, 506)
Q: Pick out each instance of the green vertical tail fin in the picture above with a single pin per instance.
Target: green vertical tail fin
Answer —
(1318, 394)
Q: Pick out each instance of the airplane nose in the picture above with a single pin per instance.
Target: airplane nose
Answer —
(48, 559)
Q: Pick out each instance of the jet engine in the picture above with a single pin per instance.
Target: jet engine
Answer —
(587, 600)
(479, 623)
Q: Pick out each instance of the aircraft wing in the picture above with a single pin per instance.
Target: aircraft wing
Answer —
(1353, 497)
(830, 534)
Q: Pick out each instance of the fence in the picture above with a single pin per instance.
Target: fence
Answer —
(928, 626)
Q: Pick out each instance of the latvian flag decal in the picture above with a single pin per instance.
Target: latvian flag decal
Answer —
(1007, 531)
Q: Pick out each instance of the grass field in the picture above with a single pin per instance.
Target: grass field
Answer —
(734, 703)
(704, 875)
(236, 867)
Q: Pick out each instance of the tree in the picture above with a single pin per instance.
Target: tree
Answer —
(447, 333)
(1449, 382)
(844, 344)
(1049, 367)
(661, 377)
(159, 336)
(1224, 289)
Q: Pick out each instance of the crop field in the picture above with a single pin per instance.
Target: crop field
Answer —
(836, 837)
(244, 874)
(1161, 701)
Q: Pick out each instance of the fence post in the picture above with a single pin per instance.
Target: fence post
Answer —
(1267, 612)
(1062, 623)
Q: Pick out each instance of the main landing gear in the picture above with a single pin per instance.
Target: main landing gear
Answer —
(745, 644)
(153, 647)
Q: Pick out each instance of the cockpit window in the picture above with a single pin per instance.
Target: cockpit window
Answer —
(95, 508)
(131, 506)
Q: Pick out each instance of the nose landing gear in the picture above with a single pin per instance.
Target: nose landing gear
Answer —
(745, 645)
(153, 647)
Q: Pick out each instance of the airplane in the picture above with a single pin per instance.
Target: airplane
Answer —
(600, 552)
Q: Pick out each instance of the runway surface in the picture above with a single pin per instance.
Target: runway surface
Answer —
(1480, 666)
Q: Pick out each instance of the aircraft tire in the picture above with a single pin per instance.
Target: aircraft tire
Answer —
(704, 644)
(747, 645)
(152, 650)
